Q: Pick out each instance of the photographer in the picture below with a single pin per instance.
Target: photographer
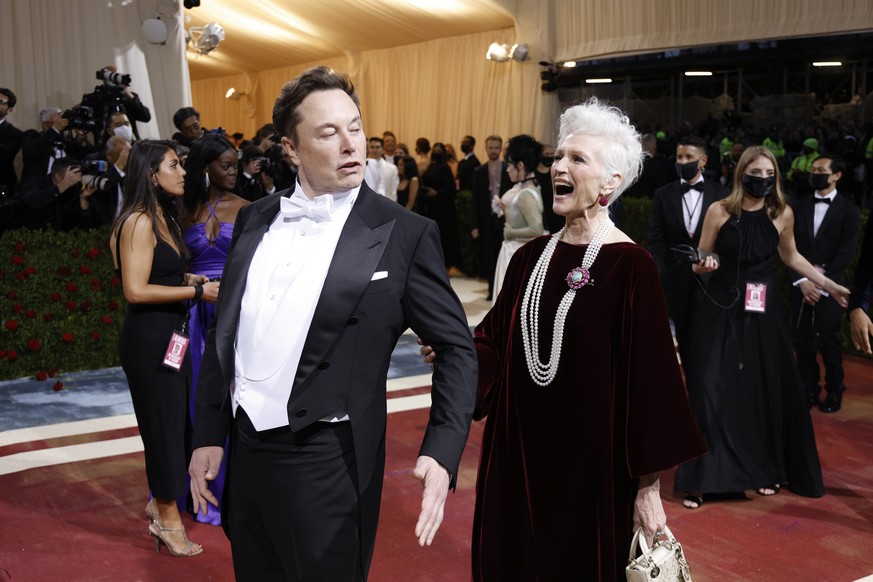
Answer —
(115, 95)
(58, 138)
(59, 199)
(187, 121)
(106, 202)
(251, 187)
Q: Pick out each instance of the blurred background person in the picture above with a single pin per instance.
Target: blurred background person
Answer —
(468, 164)
(114, 94)
(522, 204)
(211, 207)
(452, 160)
(150, 256)
(437, 201)
(10, 142)
(490, 181)
(57, 200)
(743, 383)
(187, 121)
(250, 185)
(407, 188)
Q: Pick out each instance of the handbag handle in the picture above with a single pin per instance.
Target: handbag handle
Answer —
(639, 542)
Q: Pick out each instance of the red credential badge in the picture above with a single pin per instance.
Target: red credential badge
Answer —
(756, 297)
(176, 350)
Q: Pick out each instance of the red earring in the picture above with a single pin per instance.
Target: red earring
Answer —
(603, 201)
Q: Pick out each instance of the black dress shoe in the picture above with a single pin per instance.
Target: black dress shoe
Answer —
(832, 403)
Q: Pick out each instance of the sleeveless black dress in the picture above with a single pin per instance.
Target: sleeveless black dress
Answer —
(160, 394)
(743, 383)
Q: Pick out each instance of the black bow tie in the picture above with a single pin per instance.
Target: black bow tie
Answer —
(823, 200)
(686, 187)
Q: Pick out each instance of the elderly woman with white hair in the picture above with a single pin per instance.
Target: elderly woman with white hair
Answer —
(578, 379)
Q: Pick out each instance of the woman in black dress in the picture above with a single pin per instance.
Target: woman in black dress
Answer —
(743, 382)
(149, 254)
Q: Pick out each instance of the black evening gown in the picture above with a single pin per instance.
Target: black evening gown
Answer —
(743, 381)
(160, 394)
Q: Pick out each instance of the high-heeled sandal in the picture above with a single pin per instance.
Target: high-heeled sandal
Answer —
(152, 512)
(160, 534)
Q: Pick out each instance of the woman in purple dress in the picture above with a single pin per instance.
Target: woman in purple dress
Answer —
(211, 207)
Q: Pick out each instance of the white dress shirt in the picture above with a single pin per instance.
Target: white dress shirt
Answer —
(283, 287)
(692, 203)
(821, 210)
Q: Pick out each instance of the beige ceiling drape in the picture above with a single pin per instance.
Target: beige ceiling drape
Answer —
(592, 28)
(442, 89)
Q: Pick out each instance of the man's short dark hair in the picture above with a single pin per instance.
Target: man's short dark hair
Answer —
(285, 113)
(838, 164)
(693, 141)
(496, 138)
(422, 144)
(182, 114)
(378, 139)
(250, 152)
(60, 165)
(10, 96)
(471, 138)
(387, 133)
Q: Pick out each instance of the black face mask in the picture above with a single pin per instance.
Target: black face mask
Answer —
(758, 187)
(819, 181)
(547, 160)
(687, 171)
(466, 148)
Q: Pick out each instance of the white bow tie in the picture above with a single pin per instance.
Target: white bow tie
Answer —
(318, 209)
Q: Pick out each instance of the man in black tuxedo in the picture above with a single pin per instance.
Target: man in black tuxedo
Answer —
(318, 286)
(467, 166)
(826, 230)
(490, 181)
(10, 142)
(678, 210)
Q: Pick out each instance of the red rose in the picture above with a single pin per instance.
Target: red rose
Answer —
(33, 344)
(21, 277)
(95, 336)
(64, 271)
(30, 270)
(58, 386)
(70, 305)
(85, 270)
(40, 376)
(71, 286)
(12, 325)
(67, 337)
(12, 295)
(19, 246)
(17, 307)
(56, 296)
(2, 354)
(114, 281)
(17, 260)
(12, 355)
(30, 314)
(106, 319)
(96, 284)
(47, 316)
(93, 252)
(76, 253)
(112, 305)
(85, 306)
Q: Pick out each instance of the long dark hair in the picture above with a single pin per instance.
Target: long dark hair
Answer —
(525, 149)
(410, 168)
(203, 152)
(142, 195)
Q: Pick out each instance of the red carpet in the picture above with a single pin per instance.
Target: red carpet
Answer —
(84, 521)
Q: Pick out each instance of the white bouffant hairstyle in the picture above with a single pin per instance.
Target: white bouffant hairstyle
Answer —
(622, 152)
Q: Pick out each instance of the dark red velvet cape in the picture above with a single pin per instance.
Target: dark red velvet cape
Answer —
(557, 476)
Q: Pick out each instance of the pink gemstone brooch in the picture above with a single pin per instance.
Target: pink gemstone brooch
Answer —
(579, 277)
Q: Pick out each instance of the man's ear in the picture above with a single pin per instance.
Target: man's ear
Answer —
(290, 151)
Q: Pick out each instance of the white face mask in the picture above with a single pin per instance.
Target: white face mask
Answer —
(124, 131)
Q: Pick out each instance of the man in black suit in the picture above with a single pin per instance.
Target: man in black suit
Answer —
(678, 210)
(468, 164)
(317, 288)
(490, 181)
(10, 142)
(826, 230)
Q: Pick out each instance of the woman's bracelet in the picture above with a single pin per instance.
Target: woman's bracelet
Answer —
(198, 291)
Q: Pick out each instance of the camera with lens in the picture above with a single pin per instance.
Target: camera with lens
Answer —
(118, 79)
(94, 174)
(81, 117)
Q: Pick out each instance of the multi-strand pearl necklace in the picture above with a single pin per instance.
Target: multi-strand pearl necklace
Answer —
(543, 374)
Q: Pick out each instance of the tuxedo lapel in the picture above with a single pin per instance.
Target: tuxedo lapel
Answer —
(677, 218)
(235, 274)
(834, 209)
(358, 252)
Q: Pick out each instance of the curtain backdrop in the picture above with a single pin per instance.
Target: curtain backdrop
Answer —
(52, 49)
(592, 28)
(442, 89)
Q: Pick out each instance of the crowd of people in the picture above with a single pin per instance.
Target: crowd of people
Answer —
(217, 353)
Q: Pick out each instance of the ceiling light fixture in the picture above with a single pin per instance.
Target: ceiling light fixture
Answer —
(698, 73)
(233, 94)
(595, 81)
(569, 64)
(501, 53)
(827, 64)
(154, 30)
(205, 39)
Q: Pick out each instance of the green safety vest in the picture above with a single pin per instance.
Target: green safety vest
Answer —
(868, 154)
(776, 147)
(803, 163)
(724, 147)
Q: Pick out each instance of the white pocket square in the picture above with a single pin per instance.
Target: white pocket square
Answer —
(379, 275)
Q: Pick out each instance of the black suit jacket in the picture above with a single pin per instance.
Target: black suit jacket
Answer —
(465, 172)
(482, 215)
(667, 230)
(833, 246)
(10, 143)
(354, 330)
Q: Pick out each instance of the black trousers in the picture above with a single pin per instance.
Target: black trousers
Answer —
(816, 329)
(292, 504)
(681, 302)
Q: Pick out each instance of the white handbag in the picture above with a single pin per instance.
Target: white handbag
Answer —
(664, 562)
